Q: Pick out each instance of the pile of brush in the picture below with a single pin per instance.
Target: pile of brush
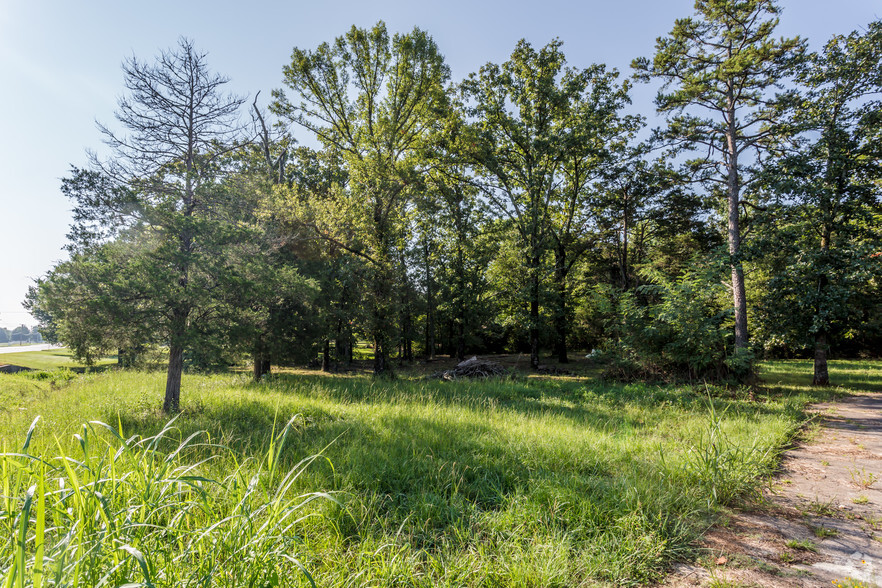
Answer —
(472, 368)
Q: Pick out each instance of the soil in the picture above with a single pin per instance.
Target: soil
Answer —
(819, 523)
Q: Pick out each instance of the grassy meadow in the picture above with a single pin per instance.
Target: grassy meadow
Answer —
(51, 359)
(349, 481)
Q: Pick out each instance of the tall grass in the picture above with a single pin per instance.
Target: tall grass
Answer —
(535, 482)
(125, 512)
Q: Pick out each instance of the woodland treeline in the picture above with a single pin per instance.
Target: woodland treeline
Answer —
(525, 208)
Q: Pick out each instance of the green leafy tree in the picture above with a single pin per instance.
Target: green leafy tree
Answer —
(372, 99)
(595, 135)
(97, 303)
(307, 221)
(720, 70)
(684, 329)
(454, 253)
(271, 305)
(21, 334)
(538, 133)
(632, 191)
(825, 233)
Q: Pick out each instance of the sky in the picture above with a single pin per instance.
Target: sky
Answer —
(60, 73)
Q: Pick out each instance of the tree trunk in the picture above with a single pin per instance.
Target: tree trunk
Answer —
(382, 338)
(406, 328)
(430, 304)
(460, 298)
(326, 356)
(534, 312)
(257, 368)
(739, 297)
(172, 403)
(560, 318)
(740, 301)
(460, 340)
(822, 377)
(430, 334)
(623, 265)
(343, 348)
(381, 363)
(461, 311)
(262, 366)
(383, 295)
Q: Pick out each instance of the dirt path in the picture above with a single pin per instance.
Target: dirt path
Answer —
(822, 521)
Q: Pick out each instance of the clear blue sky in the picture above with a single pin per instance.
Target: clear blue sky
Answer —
(60, 72)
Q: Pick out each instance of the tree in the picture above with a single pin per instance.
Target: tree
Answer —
(596, 137)
(20, 333)
(829, 190)
(539, 132)
(97, 302)
(725, 63)
(453, 256)
(163, 176)
(373, 100)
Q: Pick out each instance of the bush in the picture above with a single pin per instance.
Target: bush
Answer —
(677, 328)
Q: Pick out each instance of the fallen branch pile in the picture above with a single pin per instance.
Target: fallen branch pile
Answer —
(472, 368)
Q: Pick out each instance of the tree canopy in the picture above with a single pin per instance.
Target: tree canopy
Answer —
(521, 209)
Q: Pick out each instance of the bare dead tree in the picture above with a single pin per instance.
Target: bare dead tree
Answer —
(176, 123)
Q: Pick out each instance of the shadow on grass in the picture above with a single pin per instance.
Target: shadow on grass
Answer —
(425, 473)
(845, 376)
(377, 449)
(598, 405)
(420, 475)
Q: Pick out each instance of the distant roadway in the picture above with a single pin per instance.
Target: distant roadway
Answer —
(23, 348)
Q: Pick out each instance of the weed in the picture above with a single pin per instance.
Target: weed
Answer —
(716, 581)
(850, 583)
(727, 469)
(824, 532)
(802, 545)
(875, 522)
(862, 478)
(824, 509)
(860, 500)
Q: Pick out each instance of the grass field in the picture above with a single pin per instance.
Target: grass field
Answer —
(524, 482)
(50, 359)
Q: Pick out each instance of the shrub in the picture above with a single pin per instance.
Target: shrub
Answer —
(677, 328)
